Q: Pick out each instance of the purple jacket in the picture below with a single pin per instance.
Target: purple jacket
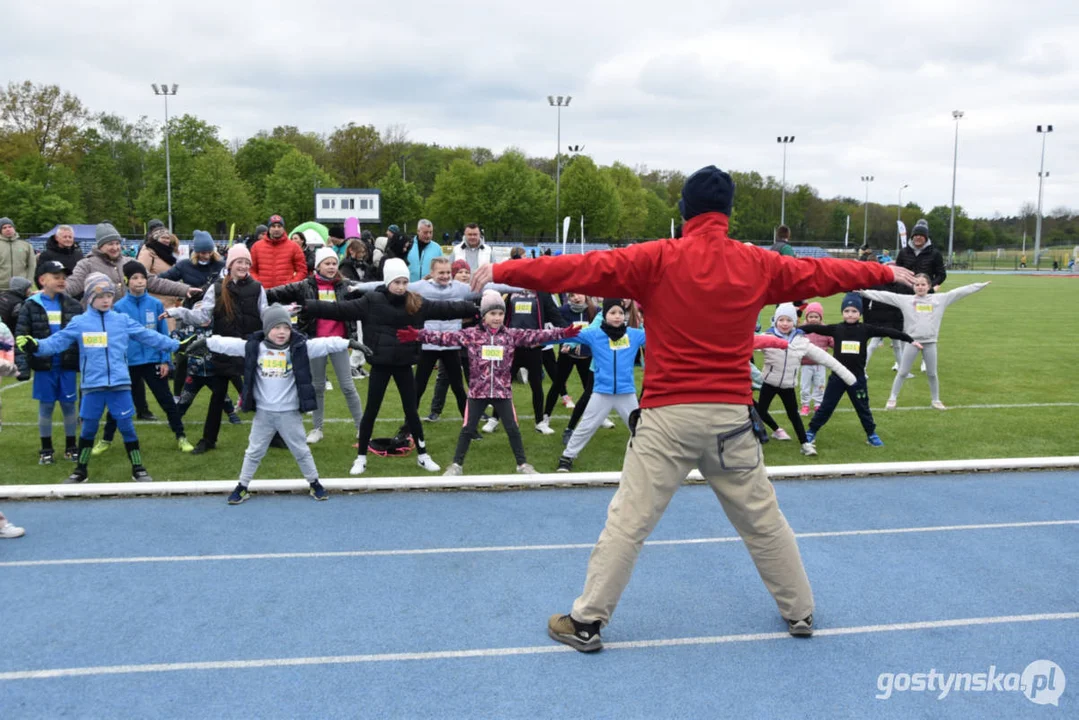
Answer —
(490, 354)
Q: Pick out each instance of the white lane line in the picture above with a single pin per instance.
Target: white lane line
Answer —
(508, 548)
(513, 651)
(11, 387)
(454, 420)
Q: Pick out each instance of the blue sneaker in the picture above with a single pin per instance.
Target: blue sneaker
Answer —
(874, 440)
(810, 436)
(318, 492)
(238, 495)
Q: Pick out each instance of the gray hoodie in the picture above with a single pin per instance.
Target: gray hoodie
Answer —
(922, 315)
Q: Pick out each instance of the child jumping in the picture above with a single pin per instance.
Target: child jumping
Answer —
(922, 315)
(779, 370)
(491, 348)
(103, 337)
(850, 340)
(55, 381)
(279, 387)
(813, 374)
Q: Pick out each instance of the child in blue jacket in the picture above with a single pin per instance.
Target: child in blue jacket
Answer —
(614, 347)
(147, 363)
(103, 337)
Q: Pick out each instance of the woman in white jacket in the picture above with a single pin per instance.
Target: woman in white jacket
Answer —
(780, 369)
(922, 315)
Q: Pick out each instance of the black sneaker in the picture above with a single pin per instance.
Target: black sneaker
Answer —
(72, 454)
(139, 474)
(147, 416)
(239, 494)
(318, 492)
(45, 457)
(202, 446)
(433, 417)
(801, 628)
(565, 464)
(477, 435)
(234, 419)
(78, 475)
(566, 435)
(583, 637)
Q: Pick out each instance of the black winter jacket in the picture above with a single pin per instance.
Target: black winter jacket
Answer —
(302, 291)
(382, 315)
(193, 274)
(356, 270)
(928, 261)
(68, 257)
(878, 313)
(10, 304)
(301, 371)
(541, 309)
(33, 320)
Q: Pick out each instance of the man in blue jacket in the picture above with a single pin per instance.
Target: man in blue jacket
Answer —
(422, 252)
(148, 364)
(103, 337)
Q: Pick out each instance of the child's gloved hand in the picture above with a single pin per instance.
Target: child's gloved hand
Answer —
(27, 344)
(571, 332)
(357, 345)
(193, 346)
(408, 334)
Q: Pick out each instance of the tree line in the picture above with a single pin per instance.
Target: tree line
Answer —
(60, 162)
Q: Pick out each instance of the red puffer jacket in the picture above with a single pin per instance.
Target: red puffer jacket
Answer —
(277, 262)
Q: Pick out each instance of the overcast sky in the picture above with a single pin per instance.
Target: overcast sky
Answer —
(865, 90)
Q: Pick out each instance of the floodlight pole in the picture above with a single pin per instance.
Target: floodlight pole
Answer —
(784, 140)
(865, 223)
(557, 102)
(166, 91)
(1041, 177)
(955, 164)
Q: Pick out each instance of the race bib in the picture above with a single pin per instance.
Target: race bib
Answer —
(850, 347)
(327, 295)
(523, 308)
(294, 319)
(619, 344)
(493, 352)
(274, 365)
(95, 340)
(923, 308)
(151, 319)
(581, 325)
(54, 317)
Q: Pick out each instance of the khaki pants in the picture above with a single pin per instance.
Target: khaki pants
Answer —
(669, 442)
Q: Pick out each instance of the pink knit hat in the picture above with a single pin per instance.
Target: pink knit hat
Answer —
(814, 307)
(237, 252)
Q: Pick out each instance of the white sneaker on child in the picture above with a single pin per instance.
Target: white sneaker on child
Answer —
(938, 405)
(608, 424)
(923, 365)
(314, 436)
(890, 405)
(10, 532)
(526, 469)
(490, 426)
(358, 465)
(543, 427)
(329, 386)
(425, 462)
(780, 434)
(453, 469)
(809, 449)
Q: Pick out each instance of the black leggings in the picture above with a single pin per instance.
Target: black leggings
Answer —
(451, 363)
(219, 386)
(504, 409)
(563, 369)
(790, 403)
(179, 375)
(377, 382)
(531, 359)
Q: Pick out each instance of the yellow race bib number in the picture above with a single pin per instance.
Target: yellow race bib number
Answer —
(522, 308)
(274, 365)
(95, 339)
(495, 353)
(54, 317)
(327, 296)
(923, 308)
(619, 344)
(850, 347)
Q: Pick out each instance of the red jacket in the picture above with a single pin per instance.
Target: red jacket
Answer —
(277, 262)
(703, 294)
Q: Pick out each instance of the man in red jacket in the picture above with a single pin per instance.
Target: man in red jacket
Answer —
(695, 410)
(276, 261)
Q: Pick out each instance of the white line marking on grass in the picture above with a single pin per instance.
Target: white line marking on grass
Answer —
(509, 548)
(514, 651)
(12, 387)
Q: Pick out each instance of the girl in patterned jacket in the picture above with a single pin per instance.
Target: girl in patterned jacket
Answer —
(490, 355)
(814, 375)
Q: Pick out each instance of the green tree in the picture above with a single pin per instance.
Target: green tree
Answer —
(400, 202)
(50, 118)
(290, 190)
(194, 135)
(586, 191)
(33, 207)
(633, 219)
(214, 193)
(455, 201)
(659, 215)
(102, 188)
(509, 195)
(256, 160)
(939, 218)
(353, 152)
(309, 143)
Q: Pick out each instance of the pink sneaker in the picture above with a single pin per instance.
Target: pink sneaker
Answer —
(780, 434)
(804, 411)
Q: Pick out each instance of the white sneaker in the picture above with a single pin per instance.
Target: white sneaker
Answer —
(490, 426)
(938, 405)
(314, 436)
(425, 462)
(567, 400)
(543, 427)
(453, 469)
(910, 376)
(895, 367)
(608, 424)
(780, 434)
(809, 449)
(10, 532)
(329, 386)
(526, 469)
(890, 405)
(358, 465)
(923, 365)
(523, 374)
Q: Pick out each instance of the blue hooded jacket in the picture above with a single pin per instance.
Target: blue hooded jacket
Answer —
(145, 310)
(612, 361)
(103, 339)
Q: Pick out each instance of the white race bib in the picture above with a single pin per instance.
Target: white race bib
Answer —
(850, 347)
(522, 308)
(55, 317)
(327, 295)
(581, 325)
(151, 319)
(923, 307)
(274, 365)
(495, 353)
(95, 339)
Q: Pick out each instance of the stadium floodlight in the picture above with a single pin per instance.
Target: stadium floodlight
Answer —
(1041, 177)
(557, 102)
(865, 223)
(899, 218)
(165, 91)
(956, 114)
(784, 140)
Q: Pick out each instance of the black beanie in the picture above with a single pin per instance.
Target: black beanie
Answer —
(261, 230)
(134, 267)
(609, 303)
(707, 190)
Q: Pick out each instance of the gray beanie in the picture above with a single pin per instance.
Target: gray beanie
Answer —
(276, 314)
(920, 228)
(105, 233)
(491, 300)
(97, 284)
(19, 285)
(202, 241)
(6, 221)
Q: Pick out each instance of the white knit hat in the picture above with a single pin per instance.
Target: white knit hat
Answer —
(491, 301)
(324, 253)
(393, 269)
(786, 310)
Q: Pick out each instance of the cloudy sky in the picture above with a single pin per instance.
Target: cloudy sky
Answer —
(865, 90)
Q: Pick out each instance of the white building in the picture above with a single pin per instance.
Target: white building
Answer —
(335, 205)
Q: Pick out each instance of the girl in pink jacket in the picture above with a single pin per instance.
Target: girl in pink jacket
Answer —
(814, 374)
(490, 349)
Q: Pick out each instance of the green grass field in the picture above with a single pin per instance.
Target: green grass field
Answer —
(1010, 347)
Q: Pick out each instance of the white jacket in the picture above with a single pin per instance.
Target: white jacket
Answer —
(780, 366)
(484, 250)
